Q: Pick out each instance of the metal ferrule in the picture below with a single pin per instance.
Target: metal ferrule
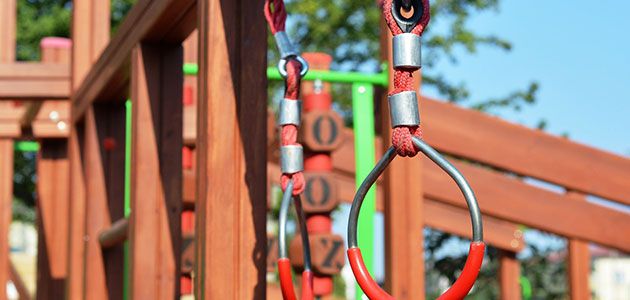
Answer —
(407, 51)
(291, 159)
(403, 109)
(286, 48)
(289, 112)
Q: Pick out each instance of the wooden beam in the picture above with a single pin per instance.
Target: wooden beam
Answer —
(76, 230)
(53, 120)
(167, 20)
(503, 197)
(52, 225)
(8, 15)
(403, 186)
(231, 243)
(578, 263)
(97, 217)
(156, 171)
(6, 200)
(483, 138)
(34, 81)
(510, 199)
(509, 276)
(90, 33)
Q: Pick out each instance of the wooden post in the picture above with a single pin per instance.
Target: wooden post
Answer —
(156, 171)
(231, 151)
(402, 183)
(90, 34)
(6, 200)
(509, 276)
(8, 20)
(52, 197)
(578, 263)
(52, 209)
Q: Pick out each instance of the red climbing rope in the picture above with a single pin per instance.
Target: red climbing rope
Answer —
(276, 16)
(403, 81)
(289, 133)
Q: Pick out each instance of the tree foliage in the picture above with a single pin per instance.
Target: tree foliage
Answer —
(349, 30)
(41, 18)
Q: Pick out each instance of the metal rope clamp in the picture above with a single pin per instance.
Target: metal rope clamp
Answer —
(284, 264)
(288, 51)
(404, 112)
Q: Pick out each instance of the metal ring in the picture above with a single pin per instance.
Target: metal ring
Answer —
(475, 255)
(282, 65)
(282, 222)
(438, 159)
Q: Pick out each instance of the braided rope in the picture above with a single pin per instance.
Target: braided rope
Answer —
(276, 16)
(403, 81)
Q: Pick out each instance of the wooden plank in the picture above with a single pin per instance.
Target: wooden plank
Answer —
(231, 243)
(578, 263)
(6, 200)
(509, 276)
(8, 15)
(52, 208)
(484, 138)
(34, 70)
(510, 199)
(156, 171)
(96, 212)
(403, 186)
(10, 129)
(34, 81)
(52, 120)
(76, 232)
(452, 219)
(502, 196)
(156, 20)
(90, 33)
(53, 174)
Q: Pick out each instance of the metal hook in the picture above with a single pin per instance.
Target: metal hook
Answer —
(282, 65)
(407, 24)
(284, 266)
(469, 274)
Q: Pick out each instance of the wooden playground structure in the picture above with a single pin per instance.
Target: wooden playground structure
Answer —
(201, 154)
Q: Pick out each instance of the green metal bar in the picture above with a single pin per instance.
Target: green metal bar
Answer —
(365, 157)
(127, 198)
(26, 146)
(380, 79)
(191, 69)
(526, 287)
(337, 77)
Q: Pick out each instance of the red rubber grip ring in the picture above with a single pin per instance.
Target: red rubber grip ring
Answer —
(286, 282)
(307, 286)
(467, 279)
(367, 284)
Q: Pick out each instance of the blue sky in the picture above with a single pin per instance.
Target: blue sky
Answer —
(578, 51)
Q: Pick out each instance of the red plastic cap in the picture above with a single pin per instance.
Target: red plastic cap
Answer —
(365, 281)
(467, 279)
